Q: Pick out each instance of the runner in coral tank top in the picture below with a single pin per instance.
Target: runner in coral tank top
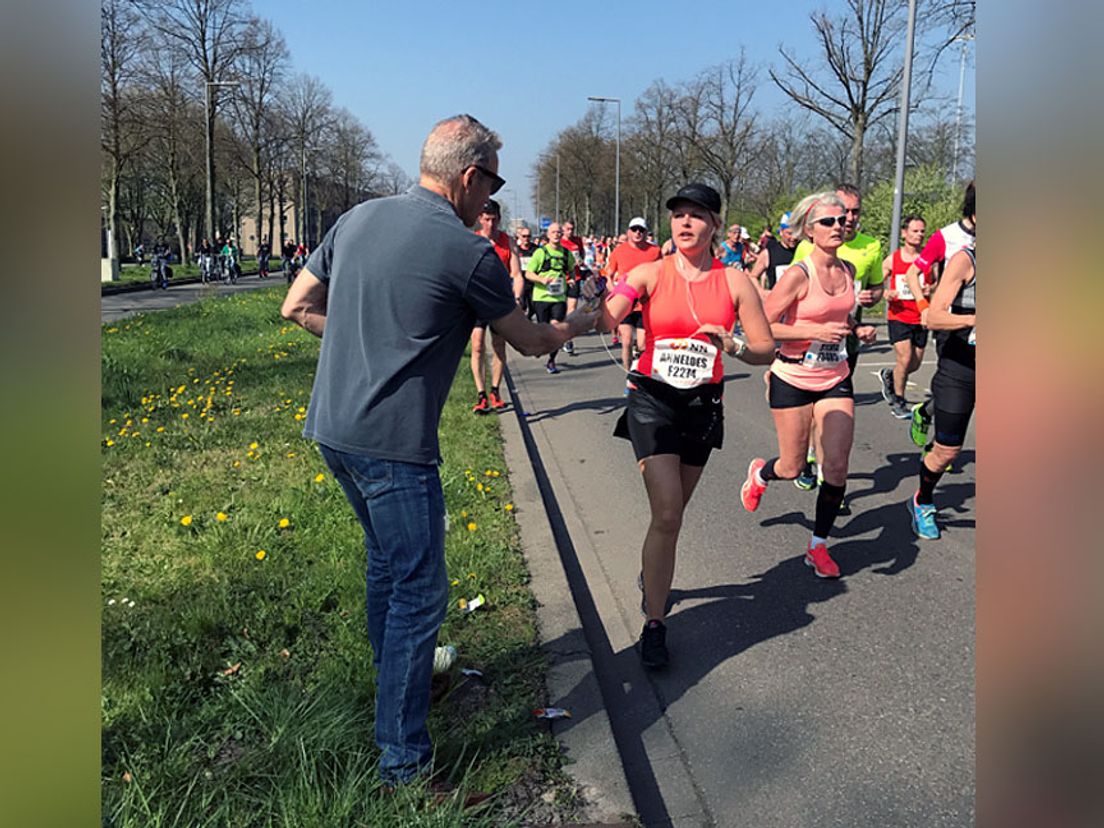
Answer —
(811, 315)
(675, 414)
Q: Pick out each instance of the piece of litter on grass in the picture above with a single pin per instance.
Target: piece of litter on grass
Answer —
(471, 672)
(472, 605)
(284, 653)
(444, 658)
(229, 671)
(552, 713)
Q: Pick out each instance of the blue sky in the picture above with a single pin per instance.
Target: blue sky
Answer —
(526, 69)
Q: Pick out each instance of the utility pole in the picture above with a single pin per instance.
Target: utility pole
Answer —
(902, 132)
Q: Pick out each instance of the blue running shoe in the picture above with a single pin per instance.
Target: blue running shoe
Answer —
(923, 519)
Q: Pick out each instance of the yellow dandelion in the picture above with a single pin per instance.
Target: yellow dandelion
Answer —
(160, 429)
(254, 445)
(472, 527)
(148, 444)
(260, 556)
(236, 464)
(479, 486)
(184, 416)
(290, 454)
(222, 517)
(145, 420)
(463, 514)
(496, 473)
(471, 576)
(509, 507)
(284, 523)
(112, 421)
(488, 473)
(318, 478)
(236, 412)
(186, 520)
(455, 582)
(109, 443)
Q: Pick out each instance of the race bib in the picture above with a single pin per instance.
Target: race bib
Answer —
(683, 363)
(778, 271)
(903, 291)
(556, 287)
(825, 354)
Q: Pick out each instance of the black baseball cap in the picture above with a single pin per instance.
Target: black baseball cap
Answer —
(701, 194)
(491, 206)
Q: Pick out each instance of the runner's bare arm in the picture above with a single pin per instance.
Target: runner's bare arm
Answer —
(912, 277)
(958, 271)
(305, 303)
(887, 273)
(756, 274)
(757, 330)
(534, 340)
(617, 305)
(515, 271)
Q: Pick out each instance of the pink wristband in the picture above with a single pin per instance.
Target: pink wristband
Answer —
(624, 289)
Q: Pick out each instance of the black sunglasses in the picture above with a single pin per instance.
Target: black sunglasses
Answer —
(828, 221)
(497, 181)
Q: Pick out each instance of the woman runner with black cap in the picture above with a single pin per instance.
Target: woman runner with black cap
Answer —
(675, 416)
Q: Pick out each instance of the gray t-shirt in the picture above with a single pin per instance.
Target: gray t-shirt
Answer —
(405, 283)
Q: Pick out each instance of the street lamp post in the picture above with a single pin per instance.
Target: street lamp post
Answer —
(966, 38)
(902, 132)
(617, 164)
(210, 218)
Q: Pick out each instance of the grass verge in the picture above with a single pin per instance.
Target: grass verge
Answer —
(237, 679)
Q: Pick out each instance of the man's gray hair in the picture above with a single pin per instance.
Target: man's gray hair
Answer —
(455, 144)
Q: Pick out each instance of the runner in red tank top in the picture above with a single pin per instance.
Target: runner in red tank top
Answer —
(507, 252)
(811, 314)
(906, 334)
(675, 415)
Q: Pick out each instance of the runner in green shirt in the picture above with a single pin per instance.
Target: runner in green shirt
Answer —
(548, 270)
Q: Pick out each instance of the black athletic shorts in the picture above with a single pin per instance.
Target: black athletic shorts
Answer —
(635, 318)
(660, 419)
(550, 311)
(572, 291)
(953, 400)
(784, 395)
(900, 331)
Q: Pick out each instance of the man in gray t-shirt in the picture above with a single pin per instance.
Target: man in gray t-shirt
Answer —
(394, 290)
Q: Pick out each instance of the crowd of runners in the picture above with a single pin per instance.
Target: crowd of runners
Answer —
(793, 300)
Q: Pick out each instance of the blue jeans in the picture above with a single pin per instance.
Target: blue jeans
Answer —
(402, 510)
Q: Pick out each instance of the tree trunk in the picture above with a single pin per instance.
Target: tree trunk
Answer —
(855, 161)
(113, 213)
(209, 217)
(271, 216)
(258, 195)
(283, 217)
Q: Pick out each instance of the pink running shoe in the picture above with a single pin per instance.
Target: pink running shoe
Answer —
(751, 492)
(818, 558)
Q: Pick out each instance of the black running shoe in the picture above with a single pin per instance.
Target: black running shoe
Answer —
(653, 645)
(886, 376)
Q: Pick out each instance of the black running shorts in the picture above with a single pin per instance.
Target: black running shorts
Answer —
(784, 395)
(660, 419)
(900, 331)
(550, 311)
(635, 318)
(953, 400)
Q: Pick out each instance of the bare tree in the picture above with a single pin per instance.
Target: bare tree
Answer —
(351, 159)
(654, 148)
(393, 179)
(261, 67)
(175, 133)
(211, 35)
(121, 120)
(861, 59)
(309, 111)
(715, 115)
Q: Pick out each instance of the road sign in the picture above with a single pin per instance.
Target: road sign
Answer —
(545, 221)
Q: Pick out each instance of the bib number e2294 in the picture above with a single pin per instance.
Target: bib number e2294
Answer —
(683, 363)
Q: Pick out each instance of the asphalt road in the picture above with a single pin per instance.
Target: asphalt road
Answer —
(790, 700)
(122, 305)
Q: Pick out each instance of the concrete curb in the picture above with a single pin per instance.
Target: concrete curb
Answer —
(595, 763)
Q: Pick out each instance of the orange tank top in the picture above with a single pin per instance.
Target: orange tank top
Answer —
(822, 365)
(676, 308)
